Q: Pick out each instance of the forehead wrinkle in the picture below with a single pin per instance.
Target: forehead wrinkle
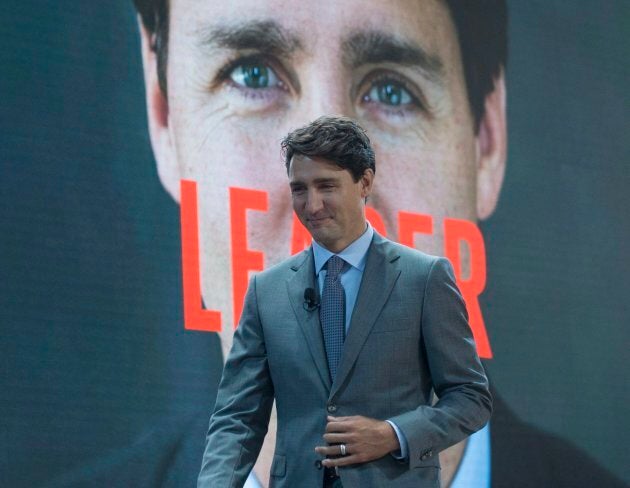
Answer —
(374, 46)
(262, 35)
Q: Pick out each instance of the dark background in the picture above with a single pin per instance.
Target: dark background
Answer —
(557, 302)
(100, 382)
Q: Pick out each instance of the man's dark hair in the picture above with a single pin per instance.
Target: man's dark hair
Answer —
(335, 138)
(481, 29)
(155, 18)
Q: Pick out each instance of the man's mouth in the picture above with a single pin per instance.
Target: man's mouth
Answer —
(318, 221)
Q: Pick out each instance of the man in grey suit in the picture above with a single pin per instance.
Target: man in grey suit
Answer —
(351, 338)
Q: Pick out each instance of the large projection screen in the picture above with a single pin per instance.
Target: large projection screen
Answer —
(110, 358)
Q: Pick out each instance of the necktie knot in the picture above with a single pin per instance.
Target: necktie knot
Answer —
(334, 266)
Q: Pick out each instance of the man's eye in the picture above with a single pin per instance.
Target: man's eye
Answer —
(254, 75)
(389, 93)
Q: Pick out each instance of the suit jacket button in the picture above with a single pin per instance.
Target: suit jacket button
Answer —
(426, 455)
(318, 464)
(332, 408)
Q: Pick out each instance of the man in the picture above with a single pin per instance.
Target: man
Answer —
(406, 335)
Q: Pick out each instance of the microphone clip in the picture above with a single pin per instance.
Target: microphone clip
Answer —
(311, 300)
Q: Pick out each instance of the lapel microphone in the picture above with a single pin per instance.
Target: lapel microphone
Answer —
(311, 300)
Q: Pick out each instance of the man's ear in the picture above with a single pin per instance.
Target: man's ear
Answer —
(366, 182)
(491, 150)
(158, 118)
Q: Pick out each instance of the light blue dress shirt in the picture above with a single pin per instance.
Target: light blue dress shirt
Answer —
(355, 255)
(474, 468)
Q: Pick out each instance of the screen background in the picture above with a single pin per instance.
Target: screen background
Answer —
(98, 370)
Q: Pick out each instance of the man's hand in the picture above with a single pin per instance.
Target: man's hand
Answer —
(365, 439)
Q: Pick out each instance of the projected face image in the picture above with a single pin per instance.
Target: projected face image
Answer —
(242, 74)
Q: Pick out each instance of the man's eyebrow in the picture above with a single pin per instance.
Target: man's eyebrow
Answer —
(330, 179)
(317, 181)
(374, 46)
(261, 35)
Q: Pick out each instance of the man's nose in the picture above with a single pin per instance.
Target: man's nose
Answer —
(314, 202)
(326, 90)
(326, 104)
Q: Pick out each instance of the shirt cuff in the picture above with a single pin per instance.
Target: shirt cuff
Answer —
(252, 481)
(403, 453)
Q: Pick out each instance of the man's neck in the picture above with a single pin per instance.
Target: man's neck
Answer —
(336, 249)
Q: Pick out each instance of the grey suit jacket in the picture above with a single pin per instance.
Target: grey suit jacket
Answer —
(408, 335)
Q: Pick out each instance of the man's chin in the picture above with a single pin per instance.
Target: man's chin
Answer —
(320, 235)
(318, 227)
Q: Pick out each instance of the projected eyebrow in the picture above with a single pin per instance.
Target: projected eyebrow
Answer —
(373, 47)
(265, 36)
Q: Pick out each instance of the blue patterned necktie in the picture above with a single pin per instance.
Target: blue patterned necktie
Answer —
(332, 313)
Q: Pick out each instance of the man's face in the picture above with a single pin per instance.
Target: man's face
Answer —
(244, 73)
(328, 202)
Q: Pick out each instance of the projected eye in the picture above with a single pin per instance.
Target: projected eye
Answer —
(389, 93)
(254, 75)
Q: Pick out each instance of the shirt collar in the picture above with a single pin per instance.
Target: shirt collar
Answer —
(355, 254)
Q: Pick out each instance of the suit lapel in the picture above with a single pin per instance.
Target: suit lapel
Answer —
(379, 277)
(303, 278)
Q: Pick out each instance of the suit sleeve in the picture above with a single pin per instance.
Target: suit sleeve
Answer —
(244, 400)
(458, 377)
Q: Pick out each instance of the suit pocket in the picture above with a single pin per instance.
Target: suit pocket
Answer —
(392, 321)
(278, 466)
